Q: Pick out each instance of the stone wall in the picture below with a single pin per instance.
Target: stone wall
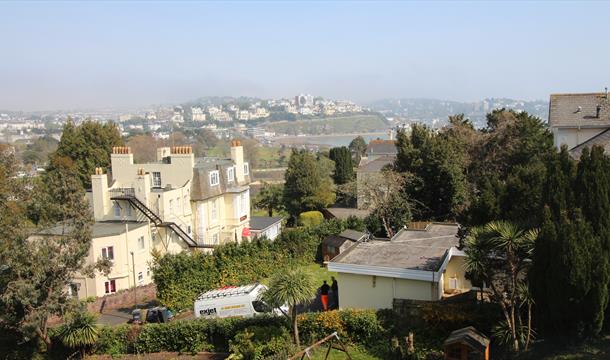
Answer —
(124, 299)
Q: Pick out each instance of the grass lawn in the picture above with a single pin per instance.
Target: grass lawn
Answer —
(263, 212)
(319, 272)
(354, 352)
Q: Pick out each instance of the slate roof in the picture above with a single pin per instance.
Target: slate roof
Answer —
(468, 335)
(352, 234)
(408, 249)
(602, 139)
(259, 223)
(100, 228)
(564, 110)
(377, 164)
(334, 240)
(381, 147)
(200, 186)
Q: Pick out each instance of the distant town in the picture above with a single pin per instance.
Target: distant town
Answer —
(267, 120)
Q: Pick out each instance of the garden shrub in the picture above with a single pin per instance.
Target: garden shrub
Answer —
(115, 340)
(354, 326)
(259, 342)
(310, 218)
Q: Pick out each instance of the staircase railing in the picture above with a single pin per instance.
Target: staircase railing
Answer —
(128, 194)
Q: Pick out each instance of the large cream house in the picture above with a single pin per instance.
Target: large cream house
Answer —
(177, 203)
(413, 265)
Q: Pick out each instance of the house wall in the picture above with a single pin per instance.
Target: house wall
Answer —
(573, 136)
(270, 233)
(456, 269)
(122, 270)
(377, 292)
(176, 173)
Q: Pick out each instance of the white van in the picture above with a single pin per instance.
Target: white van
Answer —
(232, 301)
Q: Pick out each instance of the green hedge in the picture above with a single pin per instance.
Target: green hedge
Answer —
(180, 278)
(186, 336)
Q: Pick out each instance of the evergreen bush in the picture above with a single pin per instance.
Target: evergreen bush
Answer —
(310, 218)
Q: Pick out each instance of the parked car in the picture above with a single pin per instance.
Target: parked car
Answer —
(157, 314)
(233, 301)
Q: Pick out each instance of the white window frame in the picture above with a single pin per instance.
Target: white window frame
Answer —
(214, 178)
(214, 210)
(141, 243)
(246, 168)
(109, 283)
(242, 204)
(117, 209)
(231, 174)
(128, 210)
(105, 253)
(156, 179)
(171, 206)
(140, 277)
(215, 239)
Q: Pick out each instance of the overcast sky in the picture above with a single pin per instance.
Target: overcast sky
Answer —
(69, 55)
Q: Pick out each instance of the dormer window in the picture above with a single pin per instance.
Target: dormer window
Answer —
(214, 178)
(246, 168)
(231, 174)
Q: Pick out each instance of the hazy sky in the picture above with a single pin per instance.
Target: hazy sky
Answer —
(83, 55)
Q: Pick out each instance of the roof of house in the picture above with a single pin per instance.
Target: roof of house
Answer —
(409, 249)
(200, 186)
(470, 336)
(99, 228)
(352, 234)
(345, 235)
(579, 110)
(377, 164)
(381, 147)
(344, 212)
(602, 139)
(260, 223)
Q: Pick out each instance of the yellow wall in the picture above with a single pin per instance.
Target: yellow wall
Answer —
(123, 267)
(357, 291)
(455, 268)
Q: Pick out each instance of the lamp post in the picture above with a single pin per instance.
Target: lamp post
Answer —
(135, 294)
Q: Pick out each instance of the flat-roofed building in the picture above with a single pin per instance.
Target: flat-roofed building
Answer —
(413, 265)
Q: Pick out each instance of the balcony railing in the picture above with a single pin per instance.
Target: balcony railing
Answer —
(122, 192)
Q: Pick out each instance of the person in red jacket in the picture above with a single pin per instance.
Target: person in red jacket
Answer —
(324, 295)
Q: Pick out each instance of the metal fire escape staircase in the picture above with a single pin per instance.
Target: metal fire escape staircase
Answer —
(155, 219)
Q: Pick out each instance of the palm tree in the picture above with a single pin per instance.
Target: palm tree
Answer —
(292, 288)
(79, 331)
(499, 254)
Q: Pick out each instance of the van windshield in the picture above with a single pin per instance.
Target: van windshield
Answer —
(261, 307)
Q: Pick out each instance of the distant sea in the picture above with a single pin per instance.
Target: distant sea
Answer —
(329, 140)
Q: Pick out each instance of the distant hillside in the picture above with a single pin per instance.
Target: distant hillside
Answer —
(435, 112)
(331, 125)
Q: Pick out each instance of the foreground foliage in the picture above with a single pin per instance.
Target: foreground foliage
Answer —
(293, 288)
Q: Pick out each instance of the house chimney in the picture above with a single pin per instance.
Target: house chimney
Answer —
(597, 111)
(237, 155)
(99, 194)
